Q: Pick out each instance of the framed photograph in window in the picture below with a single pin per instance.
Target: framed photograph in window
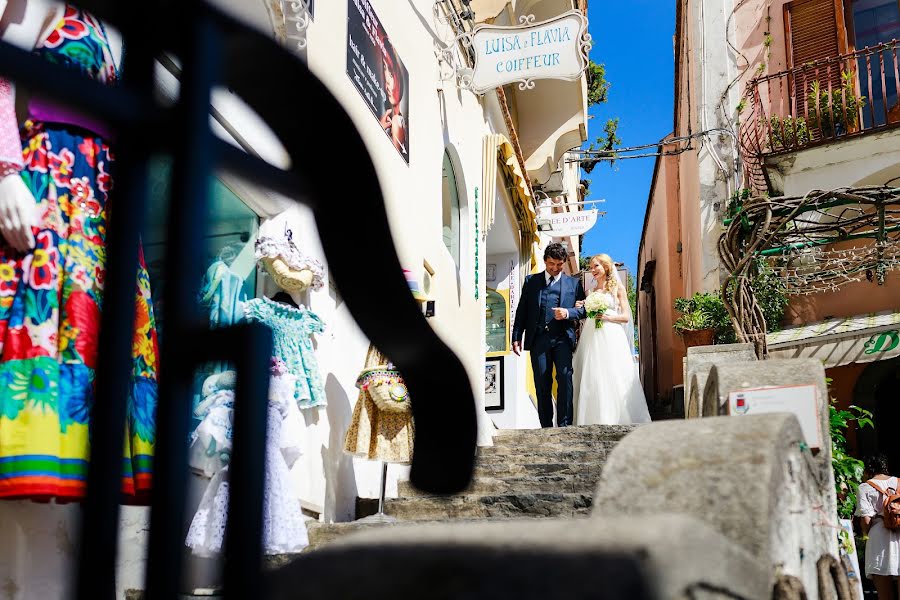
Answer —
(493, 383)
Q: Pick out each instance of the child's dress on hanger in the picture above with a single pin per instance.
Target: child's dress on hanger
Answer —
(291, 331)
(284, 530)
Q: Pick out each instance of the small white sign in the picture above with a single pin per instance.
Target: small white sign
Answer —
(801, 400)
(568, 224)
(552, 49)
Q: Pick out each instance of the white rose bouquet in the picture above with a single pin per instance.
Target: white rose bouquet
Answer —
(595, 306)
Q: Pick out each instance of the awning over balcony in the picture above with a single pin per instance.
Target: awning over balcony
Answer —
(860, 339)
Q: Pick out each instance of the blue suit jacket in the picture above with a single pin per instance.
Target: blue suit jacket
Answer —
(528, 313)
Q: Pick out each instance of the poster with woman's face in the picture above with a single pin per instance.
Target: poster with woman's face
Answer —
(378, 74)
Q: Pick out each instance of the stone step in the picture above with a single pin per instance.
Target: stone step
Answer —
(530, 458)
(565, 483)
(519, 505)
(321, 534)
(503, 470)
(548, 447)
(523, 437)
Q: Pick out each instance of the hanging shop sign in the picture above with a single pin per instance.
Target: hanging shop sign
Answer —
(553, 49)
(378, 74)
(568, 224)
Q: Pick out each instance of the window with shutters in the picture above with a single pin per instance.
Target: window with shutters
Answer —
(814, 30)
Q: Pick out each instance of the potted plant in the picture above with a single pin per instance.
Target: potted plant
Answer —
(697, 325)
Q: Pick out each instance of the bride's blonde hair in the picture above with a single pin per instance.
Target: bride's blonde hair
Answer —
(604, 260)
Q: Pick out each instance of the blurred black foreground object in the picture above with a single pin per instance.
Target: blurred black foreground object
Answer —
(213, 49)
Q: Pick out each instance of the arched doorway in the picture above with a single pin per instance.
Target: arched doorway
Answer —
(877, 391)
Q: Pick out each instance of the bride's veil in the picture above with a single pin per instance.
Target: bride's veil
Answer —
(629, 326)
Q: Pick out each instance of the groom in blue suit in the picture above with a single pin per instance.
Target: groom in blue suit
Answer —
(547, 316)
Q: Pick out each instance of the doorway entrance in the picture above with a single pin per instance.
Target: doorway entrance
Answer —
(877, 391)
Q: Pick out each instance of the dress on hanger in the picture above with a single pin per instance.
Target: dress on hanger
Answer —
(50, 297)
(222, 294)
(284, 529)
(291, 330)
(375, 434)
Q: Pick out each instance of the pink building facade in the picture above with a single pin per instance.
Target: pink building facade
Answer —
(744, 117)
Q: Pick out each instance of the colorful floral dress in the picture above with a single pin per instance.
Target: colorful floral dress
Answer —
(50, 303)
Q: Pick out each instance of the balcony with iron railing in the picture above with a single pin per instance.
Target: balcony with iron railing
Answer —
(820, 102)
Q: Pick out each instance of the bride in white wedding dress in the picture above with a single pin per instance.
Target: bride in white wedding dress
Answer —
(606, 384)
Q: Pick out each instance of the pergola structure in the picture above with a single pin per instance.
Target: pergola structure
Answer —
(817, 243)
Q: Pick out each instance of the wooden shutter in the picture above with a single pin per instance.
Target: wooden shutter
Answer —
(814, 30)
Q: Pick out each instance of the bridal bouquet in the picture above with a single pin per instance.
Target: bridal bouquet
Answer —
(595, 305)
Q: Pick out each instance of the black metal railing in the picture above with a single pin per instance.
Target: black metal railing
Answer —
(215, 49)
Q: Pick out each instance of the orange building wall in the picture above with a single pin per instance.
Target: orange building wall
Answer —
(848, 301)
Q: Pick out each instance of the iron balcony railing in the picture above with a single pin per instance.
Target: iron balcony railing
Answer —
(822, 101)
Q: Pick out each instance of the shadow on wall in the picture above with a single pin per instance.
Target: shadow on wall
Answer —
(340, 479)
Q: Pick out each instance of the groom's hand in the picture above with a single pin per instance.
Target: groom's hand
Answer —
(560, 314)
(517, 349)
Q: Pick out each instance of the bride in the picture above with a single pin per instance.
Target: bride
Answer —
(606, 384)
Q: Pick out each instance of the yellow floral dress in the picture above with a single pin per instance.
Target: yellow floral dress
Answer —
(375, 434)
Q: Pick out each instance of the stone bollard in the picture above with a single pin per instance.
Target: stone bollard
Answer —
(699, 361)
(665, 557)
(751, 478)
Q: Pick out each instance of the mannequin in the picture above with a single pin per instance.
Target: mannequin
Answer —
(54, 184)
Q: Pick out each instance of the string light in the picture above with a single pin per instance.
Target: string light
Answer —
(797, 236)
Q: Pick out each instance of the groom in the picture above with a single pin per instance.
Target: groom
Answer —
(547, 316)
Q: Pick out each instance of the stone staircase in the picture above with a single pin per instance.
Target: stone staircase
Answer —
(528, 473)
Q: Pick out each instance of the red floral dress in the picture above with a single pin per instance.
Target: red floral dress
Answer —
(50, 303)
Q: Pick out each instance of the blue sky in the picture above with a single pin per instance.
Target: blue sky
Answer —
(634, 40)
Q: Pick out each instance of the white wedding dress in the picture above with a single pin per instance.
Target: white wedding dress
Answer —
(607, 389)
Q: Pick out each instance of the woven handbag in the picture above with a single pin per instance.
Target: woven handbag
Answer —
(385, 385)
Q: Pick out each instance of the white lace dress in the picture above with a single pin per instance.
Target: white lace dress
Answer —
(607, 389)
(284, 530)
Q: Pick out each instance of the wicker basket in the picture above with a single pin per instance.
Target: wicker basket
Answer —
(386, 387)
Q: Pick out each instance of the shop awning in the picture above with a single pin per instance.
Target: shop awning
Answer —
(860, 339)
(499, 152)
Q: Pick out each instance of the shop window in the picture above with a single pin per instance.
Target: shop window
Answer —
(230, 234)
(450, 210)
(496, 322)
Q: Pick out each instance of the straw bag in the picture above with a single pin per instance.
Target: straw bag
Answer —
(385, 385)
